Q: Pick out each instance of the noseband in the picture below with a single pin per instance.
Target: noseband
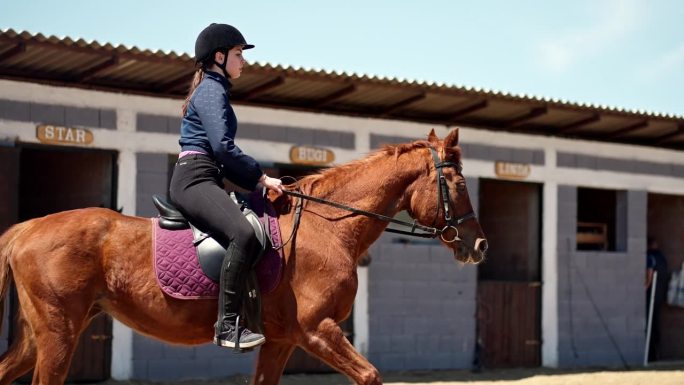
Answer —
(427, 231)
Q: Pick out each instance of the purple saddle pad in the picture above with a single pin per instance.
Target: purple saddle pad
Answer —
(178, 270)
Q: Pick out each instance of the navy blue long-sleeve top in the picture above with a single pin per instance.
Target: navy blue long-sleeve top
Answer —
(210, 125)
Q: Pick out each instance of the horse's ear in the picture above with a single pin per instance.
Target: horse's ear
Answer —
(452, 139)
(432, 137)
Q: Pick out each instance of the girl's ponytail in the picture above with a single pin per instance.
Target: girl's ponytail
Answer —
(199, 75)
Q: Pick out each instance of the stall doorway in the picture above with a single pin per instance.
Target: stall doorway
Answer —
(509, 287)
(665, 213)
(53, 179)
(9, 186)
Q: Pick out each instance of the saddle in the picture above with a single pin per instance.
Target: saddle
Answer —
(210, 253)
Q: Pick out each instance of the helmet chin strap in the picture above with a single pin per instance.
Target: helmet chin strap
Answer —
(222, 66)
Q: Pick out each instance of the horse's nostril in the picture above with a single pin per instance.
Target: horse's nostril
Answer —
(481, 245)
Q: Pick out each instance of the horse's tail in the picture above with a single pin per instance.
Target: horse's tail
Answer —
(6, 245)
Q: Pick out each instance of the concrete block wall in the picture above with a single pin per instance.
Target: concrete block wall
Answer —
(57, 114)
(592, 162)
(152, 177)
(421, 308)
(601, 300)
(294, 135)
(474, 193)
(297, 135)
(158, 123)
(498, 153)
(158, 361)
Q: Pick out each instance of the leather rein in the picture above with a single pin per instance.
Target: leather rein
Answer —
(425, 231)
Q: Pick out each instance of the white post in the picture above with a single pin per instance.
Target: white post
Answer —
(549, 308)
(122, 335)
(361, 312)
(649, 323)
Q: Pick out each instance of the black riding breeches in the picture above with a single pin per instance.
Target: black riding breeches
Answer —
(197, 190)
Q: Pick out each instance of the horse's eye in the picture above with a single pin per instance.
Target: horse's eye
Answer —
(461, 187)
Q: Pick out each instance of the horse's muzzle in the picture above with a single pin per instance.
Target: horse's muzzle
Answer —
(471, 253)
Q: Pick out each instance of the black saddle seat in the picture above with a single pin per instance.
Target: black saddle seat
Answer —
(170, 217)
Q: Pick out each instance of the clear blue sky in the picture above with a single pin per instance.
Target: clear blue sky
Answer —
(623, 53)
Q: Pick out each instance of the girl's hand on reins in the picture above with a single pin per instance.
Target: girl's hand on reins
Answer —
(273, 184)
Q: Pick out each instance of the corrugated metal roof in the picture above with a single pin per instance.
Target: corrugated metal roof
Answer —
(79, 63)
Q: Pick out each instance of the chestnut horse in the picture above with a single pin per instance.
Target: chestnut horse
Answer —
(70, 266)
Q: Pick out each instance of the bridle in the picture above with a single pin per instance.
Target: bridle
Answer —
(426, 231)
(443, 198)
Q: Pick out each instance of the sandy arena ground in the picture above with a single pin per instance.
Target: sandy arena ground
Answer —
(669, 376)
(672, 374)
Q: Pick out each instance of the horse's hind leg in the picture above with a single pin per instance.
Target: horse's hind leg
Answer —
(21, 355)
(56, 323)
(329, 344)
(272, 359)
(55, 345)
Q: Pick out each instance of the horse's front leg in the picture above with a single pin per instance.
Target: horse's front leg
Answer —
(271, 362)
(329, 344)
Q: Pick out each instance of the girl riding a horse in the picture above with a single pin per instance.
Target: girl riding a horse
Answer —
(208, 154)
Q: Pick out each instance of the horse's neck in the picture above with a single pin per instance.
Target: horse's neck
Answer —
(378, 186)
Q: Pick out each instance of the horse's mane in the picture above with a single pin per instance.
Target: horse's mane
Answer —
(307, 183)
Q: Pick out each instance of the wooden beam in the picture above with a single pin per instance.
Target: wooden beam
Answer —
(397, 106)
(533, 113)
(335, 95)
(467, 110)
(22, 74)
(666, 138)
(96, 69)
(256, 91)
(184, 79)
(51, 78)
(582, 122)
(14, 51)
(622, 131)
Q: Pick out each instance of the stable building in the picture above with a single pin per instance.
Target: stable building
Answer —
(566, 193)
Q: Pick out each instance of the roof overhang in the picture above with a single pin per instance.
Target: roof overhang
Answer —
(77, 63)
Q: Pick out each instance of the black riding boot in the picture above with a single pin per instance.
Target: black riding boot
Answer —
(227, 330)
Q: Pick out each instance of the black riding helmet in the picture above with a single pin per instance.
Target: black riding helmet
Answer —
(218, 38)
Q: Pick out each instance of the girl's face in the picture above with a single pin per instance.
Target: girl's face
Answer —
(234, 63)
